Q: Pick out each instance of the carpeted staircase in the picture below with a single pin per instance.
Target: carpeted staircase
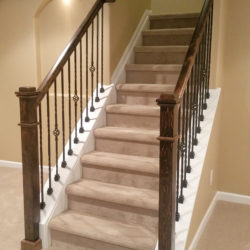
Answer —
(114, 206)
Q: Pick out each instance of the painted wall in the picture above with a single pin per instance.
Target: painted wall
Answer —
(176, 6)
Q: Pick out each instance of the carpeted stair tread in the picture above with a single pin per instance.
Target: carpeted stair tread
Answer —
(128, 134)
(103, 230)
(173, 31)
(161, 49)
(174, 16)
(154, 67)
(146, 88)
(138, 110)
(113, 193)
(146, 165)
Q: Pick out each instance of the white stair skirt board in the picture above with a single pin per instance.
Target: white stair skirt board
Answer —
(219, 196)
(186, 209)
(57, 202)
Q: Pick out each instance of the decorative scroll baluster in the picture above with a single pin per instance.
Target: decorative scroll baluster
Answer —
(42, 203)
(177, 214)
(70, 151)
(81, 129)
(56, 132)
(64, 164)
(75, 98)
(92, 69)
(50, 190)
(198, 127)
(97, 99)
(102, 89)
(87, 78)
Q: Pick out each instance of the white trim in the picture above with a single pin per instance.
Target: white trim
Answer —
(119, 75)
(15, 164)
(203, 224)
(219, 196)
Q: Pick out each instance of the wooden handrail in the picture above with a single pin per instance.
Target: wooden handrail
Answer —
(189, 59)
(55, 70)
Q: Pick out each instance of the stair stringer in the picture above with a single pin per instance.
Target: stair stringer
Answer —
(190, 193)
(57, 202)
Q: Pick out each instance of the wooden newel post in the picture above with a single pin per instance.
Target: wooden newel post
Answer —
(168, 164)
(30, 160)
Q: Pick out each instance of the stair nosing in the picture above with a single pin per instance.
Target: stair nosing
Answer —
(121, 195)
(64, 229)
(161, 49)
(131, 165)
(174, 16)
(168, 31)
(154, 67)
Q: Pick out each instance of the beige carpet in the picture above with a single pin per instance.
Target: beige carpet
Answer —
(227, 229)
(11, 209)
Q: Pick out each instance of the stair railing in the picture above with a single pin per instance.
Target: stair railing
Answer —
(180, 118)
(85, 75)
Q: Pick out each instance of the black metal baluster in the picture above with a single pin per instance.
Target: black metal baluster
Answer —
(50, 190)
(87, 78)
(97, 99)
(198, 128)
(181, 148)
(206, 67)
(75, 98)
(92, 69)
(177, 215)
(56, 132)
(191, 119)
(42, 203)
(81, 129)
(70, 151)
(209, 49)
(184, 184)
(102, 88)
(64, 163)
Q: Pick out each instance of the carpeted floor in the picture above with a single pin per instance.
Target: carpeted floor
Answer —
(227, 229)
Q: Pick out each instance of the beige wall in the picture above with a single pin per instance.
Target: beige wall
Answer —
(176, 6)
(17, 67)
(228, 151)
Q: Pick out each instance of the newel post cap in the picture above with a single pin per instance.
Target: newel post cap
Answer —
(27, 91)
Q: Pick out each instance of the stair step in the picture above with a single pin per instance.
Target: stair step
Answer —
(141, 94)
(160, 54)
(174, 21)
(128, 141)
(153, 73)
(144, 165)
(180, 36)
(99, 233)
(119, 194)
(127, 170)
(133, 116)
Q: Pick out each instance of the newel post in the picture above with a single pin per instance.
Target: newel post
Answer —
(30, 161)
(168, 164)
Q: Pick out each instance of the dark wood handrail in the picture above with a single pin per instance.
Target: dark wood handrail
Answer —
(189, 59)
(55, 70)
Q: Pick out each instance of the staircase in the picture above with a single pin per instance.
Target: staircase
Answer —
(114, 206)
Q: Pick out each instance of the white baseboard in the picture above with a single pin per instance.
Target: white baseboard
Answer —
(15, 164)
(219, 196)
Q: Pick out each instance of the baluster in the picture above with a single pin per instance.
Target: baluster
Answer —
(70, 151)
(181, 148)
(177, 215)
(92, 69)
(191, 119)
(102, 89)
(64, 164)
(87, 78)
(50, 190)
(42, 203)
(75, 98)
(195, 139)
(198, 128)
(97, 99)
(81, 130)
(56, 132)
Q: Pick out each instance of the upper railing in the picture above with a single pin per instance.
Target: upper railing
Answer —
(73, 84)
(180, 122)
